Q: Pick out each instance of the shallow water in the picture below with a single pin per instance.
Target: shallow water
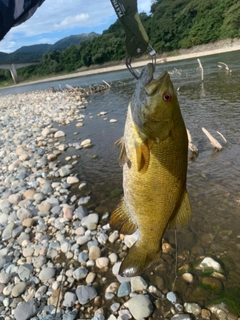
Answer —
(213, 178)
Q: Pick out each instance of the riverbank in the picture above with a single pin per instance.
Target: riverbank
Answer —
(221, 46)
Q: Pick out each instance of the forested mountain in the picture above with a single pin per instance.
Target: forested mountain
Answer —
(36, 51)
(171, 25)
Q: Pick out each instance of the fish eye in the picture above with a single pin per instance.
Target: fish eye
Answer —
(167, 97)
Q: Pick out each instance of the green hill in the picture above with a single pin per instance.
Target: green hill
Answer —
(36, 51)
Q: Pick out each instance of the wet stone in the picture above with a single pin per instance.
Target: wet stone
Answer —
(212, 284)
(208, 264)
(182, 316)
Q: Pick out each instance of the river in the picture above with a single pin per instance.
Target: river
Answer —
(213, 177)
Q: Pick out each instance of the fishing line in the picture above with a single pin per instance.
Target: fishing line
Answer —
(176, 259)
(58, 298)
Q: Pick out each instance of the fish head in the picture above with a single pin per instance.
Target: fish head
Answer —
(155, 108)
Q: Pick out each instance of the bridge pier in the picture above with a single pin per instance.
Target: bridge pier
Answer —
(13, 72)
(13, 66)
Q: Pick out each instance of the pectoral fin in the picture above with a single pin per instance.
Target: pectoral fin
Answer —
(121, 220)
(182, 215)
(143, 155)
(123, 155)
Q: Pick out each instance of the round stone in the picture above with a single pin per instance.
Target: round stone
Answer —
(94, 253)
(140, 306)
(102, 262)
(46, 273)
(18, 289)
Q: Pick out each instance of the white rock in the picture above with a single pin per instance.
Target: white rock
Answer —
(193, 308)
(113, 237)
(140, 306)
(72, 180)
(138, 284)
(102, 262)
(59, 134)
(208, 263)
(112, 120)
(86, 142)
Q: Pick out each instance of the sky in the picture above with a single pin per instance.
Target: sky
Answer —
(56, 19)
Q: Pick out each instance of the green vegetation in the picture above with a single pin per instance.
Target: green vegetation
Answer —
(171, 25)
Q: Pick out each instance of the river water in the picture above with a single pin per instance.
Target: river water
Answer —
(213, 178)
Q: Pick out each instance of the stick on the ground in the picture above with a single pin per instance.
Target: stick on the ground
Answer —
(201, 68)
(213, 141)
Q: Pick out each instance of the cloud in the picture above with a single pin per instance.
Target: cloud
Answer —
(71, 21)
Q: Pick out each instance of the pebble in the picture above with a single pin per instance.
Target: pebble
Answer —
(102, 262)
(113, 237)
(7, 232)
(193, 308)
(85, 294)
(182, 316)
(86, 143)
(188, 277)
(46, 273)
(26, 310)
(124, 289)
(59, 134)
(72, 180)
(90, 277)
(80, 273)
(138, 284)
(18, 289)
(140, 306)
(94, 253)
(208, 264)
(69, 299)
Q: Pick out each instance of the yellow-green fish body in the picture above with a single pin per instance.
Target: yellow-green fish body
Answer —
(154, 158)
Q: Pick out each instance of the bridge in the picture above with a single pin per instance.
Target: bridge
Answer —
(13, 66)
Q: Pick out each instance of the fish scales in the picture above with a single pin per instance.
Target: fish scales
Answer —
(154, 172)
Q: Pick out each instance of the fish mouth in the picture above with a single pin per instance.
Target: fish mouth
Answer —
(154, 84)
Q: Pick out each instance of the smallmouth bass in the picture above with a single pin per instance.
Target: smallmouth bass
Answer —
(154, 151)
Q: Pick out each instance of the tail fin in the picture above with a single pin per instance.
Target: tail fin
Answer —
(137, 260)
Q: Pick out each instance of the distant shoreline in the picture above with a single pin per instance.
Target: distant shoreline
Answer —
(221, 46)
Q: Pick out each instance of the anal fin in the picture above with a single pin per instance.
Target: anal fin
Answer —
(182, 215)
(121, 220)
